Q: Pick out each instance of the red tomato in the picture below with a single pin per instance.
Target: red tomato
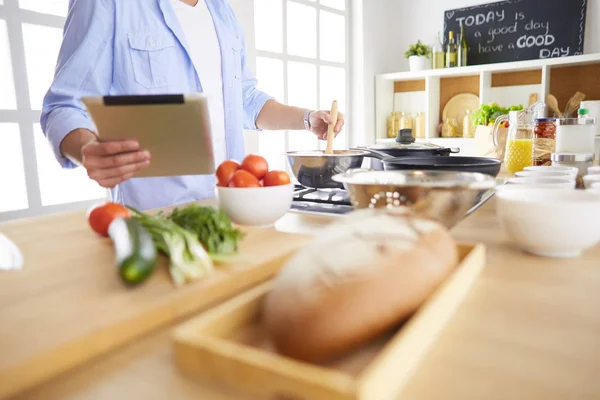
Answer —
(256, 165)
(277, 178)
(101, 216)
(225, 172)
(244, 179)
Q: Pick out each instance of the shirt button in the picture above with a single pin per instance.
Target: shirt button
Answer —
(152, 43)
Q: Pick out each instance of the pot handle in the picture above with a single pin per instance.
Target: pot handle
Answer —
(374, 153)
(453, 150)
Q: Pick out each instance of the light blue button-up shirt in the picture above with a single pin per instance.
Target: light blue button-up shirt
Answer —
(132, 47)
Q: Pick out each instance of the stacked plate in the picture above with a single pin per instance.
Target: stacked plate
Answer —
(546, 177)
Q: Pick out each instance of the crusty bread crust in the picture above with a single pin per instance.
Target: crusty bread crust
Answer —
(324, 318)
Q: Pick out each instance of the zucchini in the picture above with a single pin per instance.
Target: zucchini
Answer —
(134, 249)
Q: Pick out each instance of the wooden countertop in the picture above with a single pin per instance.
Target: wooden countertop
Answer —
(530, 328)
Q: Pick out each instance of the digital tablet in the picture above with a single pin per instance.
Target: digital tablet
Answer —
(175, 129)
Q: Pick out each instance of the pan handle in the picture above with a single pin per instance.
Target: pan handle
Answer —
(454, 150)
(374, 153)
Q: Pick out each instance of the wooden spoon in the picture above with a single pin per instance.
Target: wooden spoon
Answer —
(330, 131)
(574, 103)
(553, 104)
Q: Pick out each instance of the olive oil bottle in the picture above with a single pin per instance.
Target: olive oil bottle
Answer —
(463, 47)
(451, 51)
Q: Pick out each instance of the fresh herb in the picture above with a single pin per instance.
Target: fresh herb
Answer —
(213, 228)
(418, 49)
(487, 113)
(188, 259)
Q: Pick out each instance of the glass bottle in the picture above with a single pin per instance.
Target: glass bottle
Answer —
(451, 51)
(468, 128)
(463, 47)
(544, 141)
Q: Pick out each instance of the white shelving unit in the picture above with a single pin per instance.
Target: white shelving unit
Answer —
(506, 84)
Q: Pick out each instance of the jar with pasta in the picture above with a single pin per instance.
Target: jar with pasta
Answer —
(450, 128)
(420, 126)
(468, 128)
(393, 128)
(406, 121)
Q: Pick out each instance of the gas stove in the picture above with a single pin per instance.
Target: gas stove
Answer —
(321, 201)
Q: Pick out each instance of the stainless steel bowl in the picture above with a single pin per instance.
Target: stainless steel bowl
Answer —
(446, 196)
(315, 169)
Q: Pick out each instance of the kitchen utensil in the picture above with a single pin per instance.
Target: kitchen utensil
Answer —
(489, 166)
(443, 195)
(258, 207)
(533, 98)
(405, 146)
(543, 181)
(455, 108)
(550, 222)
(576, 135)
(573, 103)
(314, 169)
(552, 102)
(589, 180)
(519, 143)
(330, 128)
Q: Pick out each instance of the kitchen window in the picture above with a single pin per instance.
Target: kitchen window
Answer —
(31, 181)
(302, 60)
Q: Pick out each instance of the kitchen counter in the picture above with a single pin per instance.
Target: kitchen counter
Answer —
(530, 328)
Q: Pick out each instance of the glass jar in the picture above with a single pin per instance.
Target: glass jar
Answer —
(544, 141)
(468, 128)
(581, 161)
(450, 128)
(393, 129)
(420, 126)
(405, 121)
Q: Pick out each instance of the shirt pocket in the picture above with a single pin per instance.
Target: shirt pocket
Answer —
(151, 54)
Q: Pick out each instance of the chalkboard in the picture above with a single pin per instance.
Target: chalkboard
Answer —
(517, 30)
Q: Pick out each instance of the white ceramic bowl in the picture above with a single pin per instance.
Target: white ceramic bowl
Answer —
(546, 174)
(558, 183)
(594, 188)
(260, 207)
(593, 171)
(554, 168)
(589, 180)
(550, 222)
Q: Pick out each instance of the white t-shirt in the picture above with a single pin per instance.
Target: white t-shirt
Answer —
(205, 51)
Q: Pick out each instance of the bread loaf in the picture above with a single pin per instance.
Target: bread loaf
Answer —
(356, 280)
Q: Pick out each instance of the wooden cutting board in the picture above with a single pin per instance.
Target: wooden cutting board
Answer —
(68, 305)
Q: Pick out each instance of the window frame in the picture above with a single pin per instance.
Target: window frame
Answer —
(24, 115)
(347, 64)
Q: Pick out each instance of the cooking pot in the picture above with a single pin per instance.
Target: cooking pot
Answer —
(405, 146)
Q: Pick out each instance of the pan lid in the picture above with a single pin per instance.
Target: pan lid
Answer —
(405, 140)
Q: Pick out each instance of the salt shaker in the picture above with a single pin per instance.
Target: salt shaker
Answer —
(581, 161)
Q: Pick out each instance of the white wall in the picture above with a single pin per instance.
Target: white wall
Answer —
(392, 25)
(425, 18)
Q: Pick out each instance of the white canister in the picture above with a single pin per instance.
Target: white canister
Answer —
(575, 135)
(593, 106)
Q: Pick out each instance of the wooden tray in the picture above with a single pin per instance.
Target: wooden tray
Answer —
(227, 345)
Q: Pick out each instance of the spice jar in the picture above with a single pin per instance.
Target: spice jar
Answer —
(581, 161)
(544, 141)
(450, 128)
(420, 126)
